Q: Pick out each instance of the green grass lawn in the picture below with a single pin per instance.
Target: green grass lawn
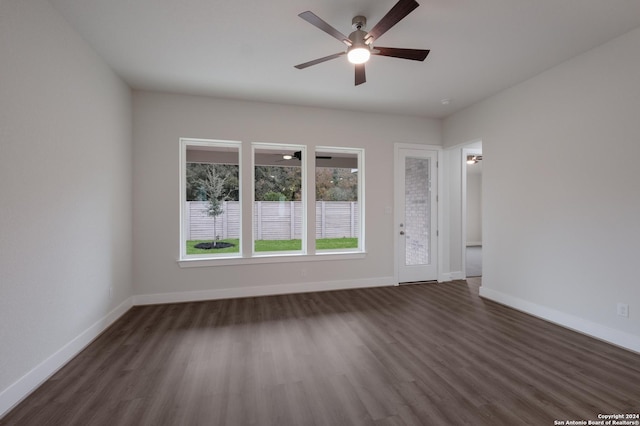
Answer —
(278, 245)
(275, 245)
(336, 243)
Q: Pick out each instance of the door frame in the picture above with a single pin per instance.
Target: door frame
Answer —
(397, 199)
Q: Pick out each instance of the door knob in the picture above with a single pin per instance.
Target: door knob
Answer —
(401, 232)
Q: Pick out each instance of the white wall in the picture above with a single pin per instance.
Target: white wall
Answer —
(561, 194)
(65, 194)
(161, 119)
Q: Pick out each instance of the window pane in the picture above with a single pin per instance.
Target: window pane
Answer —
(278, 198)
(211, 219)
(338, 219)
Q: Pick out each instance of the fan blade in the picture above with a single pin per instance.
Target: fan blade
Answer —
(317, 22)
(413, 54)
(319, 60)
(360, 74)
(395, 15)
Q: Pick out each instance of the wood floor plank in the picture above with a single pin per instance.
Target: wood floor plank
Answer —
(427, 354)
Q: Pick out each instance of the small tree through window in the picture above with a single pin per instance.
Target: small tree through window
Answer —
(216, 191)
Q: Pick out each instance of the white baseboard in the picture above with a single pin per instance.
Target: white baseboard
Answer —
(269, 290)
(19, 390)
(457, 275)
(598, 331)
(444, 277)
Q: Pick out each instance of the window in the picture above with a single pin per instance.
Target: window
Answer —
(339, 217)
(243, 202)
(279, 203)
(211, 211)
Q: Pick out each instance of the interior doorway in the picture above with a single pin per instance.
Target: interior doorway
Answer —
(472, 211)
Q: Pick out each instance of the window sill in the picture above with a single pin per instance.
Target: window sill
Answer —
(270, 258)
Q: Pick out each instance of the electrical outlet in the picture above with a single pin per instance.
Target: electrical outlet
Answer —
(623, 310)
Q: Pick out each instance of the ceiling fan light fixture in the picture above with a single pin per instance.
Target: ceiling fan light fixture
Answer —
(358, 54)
(473, 159)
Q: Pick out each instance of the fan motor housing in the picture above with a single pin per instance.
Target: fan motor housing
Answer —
(359, 22)
(357, 37)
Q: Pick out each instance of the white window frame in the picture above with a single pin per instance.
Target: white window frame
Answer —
(279, 147)
(361, 203)
(184, 143)
(247, 254)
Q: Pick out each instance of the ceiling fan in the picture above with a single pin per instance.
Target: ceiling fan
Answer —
(473, 159)
(360, 43)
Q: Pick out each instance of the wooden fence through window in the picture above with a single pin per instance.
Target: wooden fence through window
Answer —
(272, 220)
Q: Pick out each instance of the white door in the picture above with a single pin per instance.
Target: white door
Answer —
(416, 214)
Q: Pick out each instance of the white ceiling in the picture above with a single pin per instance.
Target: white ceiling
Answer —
(246, 49)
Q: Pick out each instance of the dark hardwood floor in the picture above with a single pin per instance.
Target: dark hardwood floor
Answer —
(430, 354)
